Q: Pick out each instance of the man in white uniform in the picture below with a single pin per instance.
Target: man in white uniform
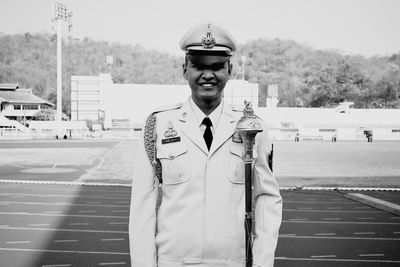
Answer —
(200, 221)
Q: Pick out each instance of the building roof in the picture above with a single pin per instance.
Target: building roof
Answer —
(22, 97)
(8, 86)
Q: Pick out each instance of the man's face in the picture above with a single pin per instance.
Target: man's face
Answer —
(207, 80)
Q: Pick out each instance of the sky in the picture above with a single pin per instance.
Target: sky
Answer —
(365, 27)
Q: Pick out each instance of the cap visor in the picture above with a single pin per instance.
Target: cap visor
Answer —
(208, 59)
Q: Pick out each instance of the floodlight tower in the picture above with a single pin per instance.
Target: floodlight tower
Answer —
(243, 62)
(61, 15)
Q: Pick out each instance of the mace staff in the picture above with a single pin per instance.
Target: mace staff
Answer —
(248, 126)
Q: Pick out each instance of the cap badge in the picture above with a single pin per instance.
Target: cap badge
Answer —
(208, 40)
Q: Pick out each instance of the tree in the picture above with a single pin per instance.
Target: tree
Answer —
(45, 115)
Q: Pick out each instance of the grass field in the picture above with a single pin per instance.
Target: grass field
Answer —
(311, 163)
(349, 163)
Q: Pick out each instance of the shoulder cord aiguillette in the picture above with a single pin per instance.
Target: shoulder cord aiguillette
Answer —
(150, 141)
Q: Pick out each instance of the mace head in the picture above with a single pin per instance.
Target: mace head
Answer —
(249, 123)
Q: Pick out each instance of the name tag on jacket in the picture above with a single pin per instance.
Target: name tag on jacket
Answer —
(171, 140)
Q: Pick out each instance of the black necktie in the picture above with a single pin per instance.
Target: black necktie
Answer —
(207, 133)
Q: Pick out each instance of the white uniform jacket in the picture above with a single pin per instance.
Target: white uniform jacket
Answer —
(200, 222)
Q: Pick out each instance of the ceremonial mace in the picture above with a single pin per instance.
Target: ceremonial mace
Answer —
(248, 126)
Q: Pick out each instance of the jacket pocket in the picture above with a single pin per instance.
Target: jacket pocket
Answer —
(175, 163)
(236, 163)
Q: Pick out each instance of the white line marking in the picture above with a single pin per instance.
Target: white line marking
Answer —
(364, 233)
(65, 241)
(39, 224)
(396, 232)
(336, 222)
(64, 230)
(121, 202)
(18, 242)
(61, 183)
(329, 188)
(52, 212)
(332, 219)
(334, 208)
(338, 211)
(65, 251)
(365, 218)
(4, 225)
(321, 202)
(112, 263)
(63, 215)
(287, 235)
(120, 211)
(342, 237)
(112, 239)
(298, 219)
(93, 202)
(305, 208)
(335, 260)
(56, 265)
(67, 204)
(325, 234)
(324, 256)
(118, 223)
(371, 255)
(61, 195)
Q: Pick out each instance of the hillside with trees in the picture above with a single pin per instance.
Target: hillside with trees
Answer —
(305, 76)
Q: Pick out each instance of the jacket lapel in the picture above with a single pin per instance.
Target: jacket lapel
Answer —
(190, 128)
(226, 127)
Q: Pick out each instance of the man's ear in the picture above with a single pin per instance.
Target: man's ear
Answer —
(184, 70)
(230, 66)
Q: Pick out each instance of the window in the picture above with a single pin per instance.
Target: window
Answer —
(31, 107)
(17, 107)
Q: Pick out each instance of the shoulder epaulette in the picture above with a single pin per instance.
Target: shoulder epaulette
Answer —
(166, 108)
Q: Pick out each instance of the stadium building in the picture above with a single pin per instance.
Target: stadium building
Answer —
(125, 107)
(18, 107)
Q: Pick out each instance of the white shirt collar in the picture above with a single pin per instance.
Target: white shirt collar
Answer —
(214, 116)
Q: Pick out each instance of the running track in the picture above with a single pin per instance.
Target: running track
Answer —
(50, 225)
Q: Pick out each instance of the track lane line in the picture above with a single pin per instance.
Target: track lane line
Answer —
(19, 242)
(64, 215)
(111, 263)
(337, 260)
(63, 230)
(56, 265)
(66, 204)
(341, 222)
(341, 237)
(65, 251)
(324, 256)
